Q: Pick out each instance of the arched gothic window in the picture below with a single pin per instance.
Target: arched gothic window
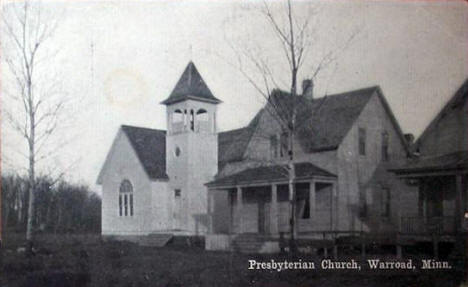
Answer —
(126, 198)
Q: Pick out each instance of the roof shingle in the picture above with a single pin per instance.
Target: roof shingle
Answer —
(191, 86)
(232, 144)
(270, 173)
(451, 161)
(150, 147)
(322, 123)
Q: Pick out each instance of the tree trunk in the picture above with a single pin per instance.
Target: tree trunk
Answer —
(32, 178)
(19, 200)
(29, 226)
(6, 212)
(292, 192)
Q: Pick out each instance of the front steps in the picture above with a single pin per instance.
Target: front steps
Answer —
(155, 239)
(252, 243)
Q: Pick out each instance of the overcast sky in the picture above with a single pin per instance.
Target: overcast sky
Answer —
(121, 59)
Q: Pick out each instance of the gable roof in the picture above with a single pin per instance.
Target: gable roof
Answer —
(457, 101)
(150, 147)
(233, 144)
(324, 122)
(191, 86)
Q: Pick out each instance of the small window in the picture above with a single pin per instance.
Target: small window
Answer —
(385, 140)
(283, 144)
(177, 151)
(126, 198)
(362, 203)
(273, 146)
(362, 141)
(120, 205)
(177, 193)
(386, 202)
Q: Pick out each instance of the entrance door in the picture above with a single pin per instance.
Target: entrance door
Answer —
(263, 219)
(177, 208)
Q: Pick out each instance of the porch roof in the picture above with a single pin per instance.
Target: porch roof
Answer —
(272, 173)
(451, 162)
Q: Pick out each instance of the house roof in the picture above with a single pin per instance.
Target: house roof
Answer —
(304, 170)
(150, 147)
(452, 161)
(324, 122)
(233, 144)
(456, 101)
(191, 86)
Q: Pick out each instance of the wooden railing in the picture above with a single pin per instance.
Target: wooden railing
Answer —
(433, 225)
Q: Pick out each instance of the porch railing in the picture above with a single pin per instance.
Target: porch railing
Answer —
(433, 225)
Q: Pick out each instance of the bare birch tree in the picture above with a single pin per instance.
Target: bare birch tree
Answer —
(34, 97)
(294, 35)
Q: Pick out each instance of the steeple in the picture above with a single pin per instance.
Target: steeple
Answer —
(191, 86)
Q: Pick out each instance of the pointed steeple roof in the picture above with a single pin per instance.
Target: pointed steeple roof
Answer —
(191, 86)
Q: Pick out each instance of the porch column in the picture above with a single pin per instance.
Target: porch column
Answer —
(240, 208)
(334, 207)
(459, 212)
(312, 199)
(211, 211)
(274, 210)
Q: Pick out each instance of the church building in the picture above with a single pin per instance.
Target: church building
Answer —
(194, 180)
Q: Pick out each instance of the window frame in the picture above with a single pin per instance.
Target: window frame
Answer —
(385, 145)
(274, 146)
(126, 200)
(386, 207)
(363, 209)
(362, 138)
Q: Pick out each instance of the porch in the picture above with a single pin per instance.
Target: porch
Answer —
(258, 201)
(442, 197)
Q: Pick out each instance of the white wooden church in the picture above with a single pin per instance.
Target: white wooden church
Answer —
(153, 180)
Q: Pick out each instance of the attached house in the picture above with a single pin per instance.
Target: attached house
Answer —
(438, 170)
(343, 147)
(194, 180)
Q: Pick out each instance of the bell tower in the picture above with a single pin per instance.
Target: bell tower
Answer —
(191, 150)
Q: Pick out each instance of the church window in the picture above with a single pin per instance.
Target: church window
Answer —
(126, 198)
(178, 116)
(177, 151)
(202, 115)
(192, 120)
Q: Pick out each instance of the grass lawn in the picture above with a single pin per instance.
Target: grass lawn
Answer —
(85, 260)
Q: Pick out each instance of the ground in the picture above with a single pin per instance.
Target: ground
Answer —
(86, 260)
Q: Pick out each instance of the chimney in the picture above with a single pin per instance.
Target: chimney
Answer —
(308, 89)
(409, 138)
